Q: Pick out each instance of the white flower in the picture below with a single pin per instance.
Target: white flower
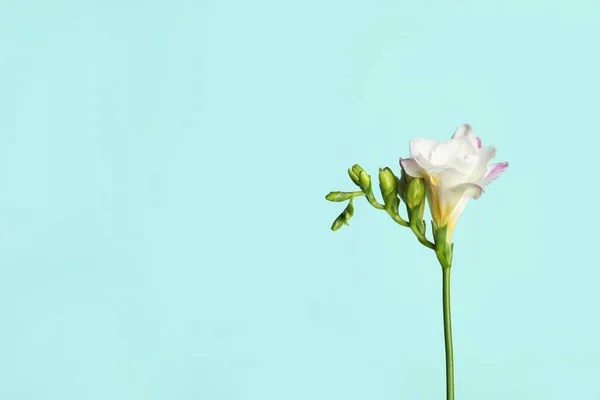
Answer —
(453, 171)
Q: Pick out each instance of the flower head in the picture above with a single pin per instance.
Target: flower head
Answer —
(454, 172)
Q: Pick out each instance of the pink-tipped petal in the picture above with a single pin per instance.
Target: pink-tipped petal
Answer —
(478, 142)
(486, 155)
(494, 172)
(463, 130)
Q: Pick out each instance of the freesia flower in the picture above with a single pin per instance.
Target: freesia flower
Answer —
(454, 172)
(446, 174)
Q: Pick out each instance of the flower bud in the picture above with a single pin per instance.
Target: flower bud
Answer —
(388, 186)
(415, 192)
(344, 217)
(360, 178)
(337, 224)
(354, 175)
(365, 180)
(338, 196)
(348, 213)
(387, 181)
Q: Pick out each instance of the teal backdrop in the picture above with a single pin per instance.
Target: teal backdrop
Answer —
(163, 227)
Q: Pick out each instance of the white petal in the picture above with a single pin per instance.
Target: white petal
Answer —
(413, 168)
(448, 200)
(444, 152)
(423, 147)
(453, 148)
(459, 196)
(463, 130)
(458, 153)
(466, 131)
(470, 190)
(455, 199)
(486, 155)
(465, 165)
(427, 165)
(449, 178)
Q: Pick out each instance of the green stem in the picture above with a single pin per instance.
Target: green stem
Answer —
(415, 216)
(398, 218)
(422, 239)
(356, 194)
(370, 199)
(373, 202)
(448, 333)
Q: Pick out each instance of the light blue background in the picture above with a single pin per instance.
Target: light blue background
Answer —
(163, 228)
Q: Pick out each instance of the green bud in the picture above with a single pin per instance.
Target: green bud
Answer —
(387, 181)
(360, 178)
(354, 176)
(389, 188)
(415, 193)
(348, 212)
(344, 217)
(338, 196)
(365, 180)
(415, 216)
(337, 224)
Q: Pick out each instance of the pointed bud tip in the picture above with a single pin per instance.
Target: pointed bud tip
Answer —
(365, 179)
(337, 224)
(353, 176)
